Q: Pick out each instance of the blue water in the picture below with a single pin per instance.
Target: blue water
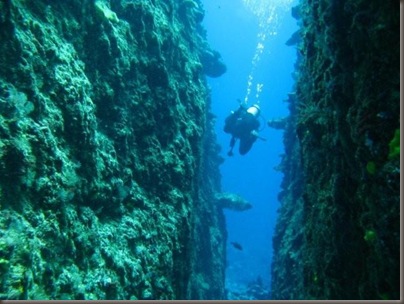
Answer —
(232, 30)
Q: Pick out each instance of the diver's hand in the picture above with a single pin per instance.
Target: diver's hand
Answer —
(255, 134)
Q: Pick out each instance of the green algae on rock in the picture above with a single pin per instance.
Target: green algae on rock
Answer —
(103, 10)
(394, 145)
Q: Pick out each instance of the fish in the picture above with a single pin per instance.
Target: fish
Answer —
(236, 245)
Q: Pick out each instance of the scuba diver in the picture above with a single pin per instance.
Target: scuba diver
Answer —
(243, 124)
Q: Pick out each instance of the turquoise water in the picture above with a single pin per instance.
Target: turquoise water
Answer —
(235, 28)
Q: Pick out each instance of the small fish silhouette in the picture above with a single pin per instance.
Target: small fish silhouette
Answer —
(236, 245)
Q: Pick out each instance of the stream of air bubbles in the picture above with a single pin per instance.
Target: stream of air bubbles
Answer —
(269, 14)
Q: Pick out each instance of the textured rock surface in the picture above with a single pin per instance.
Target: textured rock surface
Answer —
(338, 232)
(108, 166)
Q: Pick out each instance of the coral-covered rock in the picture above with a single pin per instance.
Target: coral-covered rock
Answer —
(105, 137)
(338, 231)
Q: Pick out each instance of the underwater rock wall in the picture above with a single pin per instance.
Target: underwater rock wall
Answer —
(108, 161)
(338, 232)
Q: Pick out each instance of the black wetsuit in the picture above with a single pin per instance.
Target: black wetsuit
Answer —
(241, 124)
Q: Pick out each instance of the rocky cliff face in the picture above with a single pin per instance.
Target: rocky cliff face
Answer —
(338, 234)
(108, 164)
